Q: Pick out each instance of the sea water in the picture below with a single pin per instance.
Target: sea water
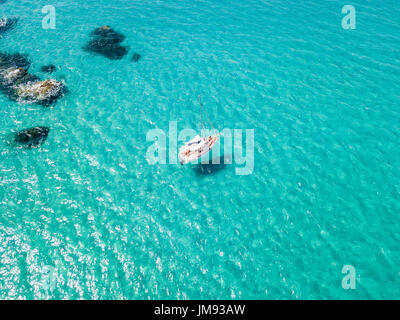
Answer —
(87, 216)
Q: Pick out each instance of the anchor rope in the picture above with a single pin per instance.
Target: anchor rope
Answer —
(201, 114)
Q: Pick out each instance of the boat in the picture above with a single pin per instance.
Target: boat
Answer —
(198, 146)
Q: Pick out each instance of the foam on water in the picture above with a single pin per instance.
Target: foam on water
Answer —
(324, 104)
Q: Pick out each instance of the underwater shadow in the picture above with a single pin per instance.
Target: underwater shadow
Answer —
(209, 169)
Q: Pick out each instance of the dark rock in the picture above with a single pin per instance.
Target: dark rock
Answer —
(135, 57)
(49, 68)
(19, 85)
(108, 33)
(7, 24)
(108, 49)
(16, 60)
(107, 42)
(32, 137)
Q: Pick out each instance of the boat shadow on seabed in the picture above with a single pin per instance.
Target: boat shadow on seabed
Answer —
(206, 169)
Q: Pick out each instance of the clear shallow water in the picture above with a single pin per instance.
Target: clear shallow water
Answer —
(324, 103)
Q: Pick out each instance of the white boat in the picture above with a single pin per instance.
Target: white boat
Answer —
(196, 148)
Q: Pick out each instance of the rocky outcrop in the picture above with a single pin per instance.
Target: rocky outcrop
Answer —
(32, 137)
(107, 42)
(19, 85)
(12, 74)
(40, 91)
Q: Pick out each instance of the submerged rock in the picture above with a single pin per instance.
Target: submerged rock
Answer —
(14, 60)
(7, 24)
(107, 42)
(107, 32)
(18, 84)
(32, 137)
(49, 68)
(135, 57)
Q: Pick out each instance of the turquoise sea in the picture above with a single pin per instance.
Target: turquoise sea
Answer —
(324, 102)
